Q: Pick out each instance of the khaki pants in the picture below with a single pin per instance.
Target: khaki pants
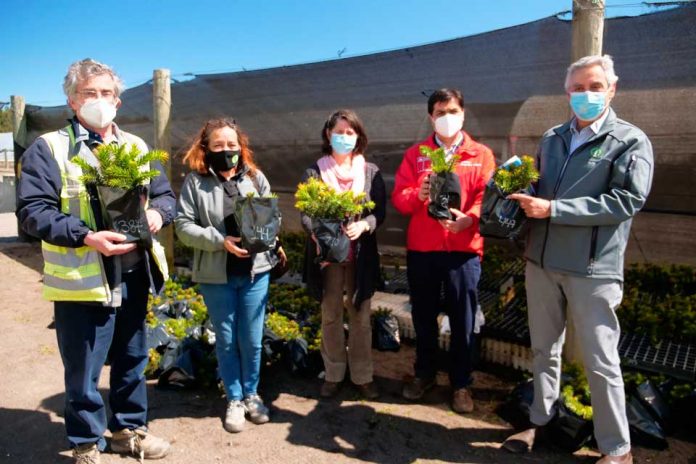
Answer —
(338, 277)
(591, 303)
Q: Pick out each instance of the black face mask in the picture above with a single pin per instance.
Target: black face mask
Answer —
(221, 161)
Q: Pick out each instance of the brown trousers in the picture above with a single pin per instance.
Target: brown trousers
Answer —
(337, 278)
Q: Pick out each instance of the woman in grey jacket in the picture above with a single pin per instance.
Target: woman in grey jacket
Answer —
(233, 282)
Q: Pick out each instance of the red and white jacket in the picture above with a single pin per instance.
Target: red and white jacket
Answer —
(474, 169)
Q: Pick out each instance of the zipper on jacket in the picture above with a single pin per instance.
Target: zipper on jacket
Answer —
(593, 250)
(556, 187)
(553, 197)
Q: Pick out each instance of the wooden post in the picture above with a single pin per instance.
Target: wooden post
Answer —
(588, 34)
(162, 104)
(19, 136)
(588, 28)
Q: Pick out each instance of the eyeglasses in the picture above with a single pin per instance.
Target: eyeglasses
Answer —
(90, 94)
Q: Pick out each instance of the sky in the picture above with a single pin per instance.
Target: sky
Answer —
(40, 38)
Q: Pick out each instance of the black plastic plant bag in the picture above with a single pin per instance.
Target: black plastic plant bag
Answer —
(124, 212)
(301, 360)
(516, 409)
(385, 333)
(652, 400)
(272, 346)
(258, 219)
(569, 431)
(445, 193)
(500, 217)
(644, 429)
(334, 244)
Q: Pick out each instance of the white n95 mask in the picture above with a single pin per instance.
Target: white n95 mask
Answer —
(449, 124)
(98, 113)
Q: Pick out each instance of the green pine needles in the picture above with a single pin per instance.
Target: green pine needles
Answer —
(317, 200)
(120, 166)
(516, 177)
(438, 159)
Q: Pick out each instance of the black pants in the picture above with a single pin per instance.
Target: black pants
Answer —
(459, 273)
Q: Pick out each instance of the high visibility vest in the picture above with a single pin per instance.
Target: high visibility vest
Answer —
(77, 274)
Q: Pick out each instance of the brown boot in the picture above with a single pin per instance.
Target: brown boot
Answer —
(329, 389)
(521, 442)
(139, 443)
(368, 390)
(416, 388)
(86, 454)
(623, 459)
(462, 402)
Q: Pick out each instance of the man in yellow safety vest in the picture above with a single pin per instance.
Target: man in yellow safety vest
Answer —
(98, 283)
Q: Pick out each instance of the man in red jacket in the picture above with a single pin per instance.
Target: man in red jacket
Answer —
(444, 252)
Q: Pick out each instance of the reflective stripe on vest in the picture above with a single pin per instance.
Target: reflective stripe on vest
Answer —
(72, 274)
(77, 274)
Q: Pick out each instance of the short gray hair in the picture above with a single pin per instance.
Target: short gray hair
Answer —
(606, 62)
(86, 69)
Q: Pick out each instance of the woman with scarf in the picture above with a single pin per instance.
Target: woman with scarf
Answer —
(233, 282)
(344, 168)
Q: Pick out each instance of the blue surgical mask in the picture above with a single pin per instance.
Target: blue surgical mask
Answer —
(588, 106)
(343, 143)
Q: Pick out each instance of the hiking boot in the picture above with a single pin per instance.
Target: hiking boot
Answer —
(368, 390)
(234, 417)
(416, 388)
(257, 411)
(329, 389)
(462, 402)
(623, 459)
(86, 454)
(139, 443)
(521, 442)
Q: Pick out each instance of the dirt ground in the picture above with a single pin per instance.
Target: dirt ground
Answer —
(303, 429)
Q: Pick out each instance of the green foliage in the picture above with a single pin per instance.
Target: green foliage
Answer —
(6, 120)
(317, 200)
(511, 179)
(438, 159)
(283, 327)
(575, 392)
(659, 301)
(120, 166)
(253, 195)
(294, 244)
(381, 312)
(293, 299)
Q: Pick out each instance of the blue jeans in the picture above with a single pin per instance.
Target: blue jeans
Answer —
(87, 334)
(237, 311)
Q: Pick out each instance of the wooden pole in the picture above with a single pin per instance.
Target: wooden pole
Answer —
(588, 28)
(162, 104)
(19, 136)
(588, 34)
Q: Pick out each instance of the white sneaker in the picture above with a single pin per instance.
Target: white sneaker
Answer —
(258, 412)
(234, 417)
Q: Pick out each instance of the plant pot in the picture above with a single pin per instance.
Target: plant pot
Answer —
(500, 217)
(334, 244)
(258, 220)
(124, 212)
(445, 193)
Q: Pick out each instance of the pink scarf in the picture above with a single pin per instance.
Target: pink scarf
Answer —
(342, 179)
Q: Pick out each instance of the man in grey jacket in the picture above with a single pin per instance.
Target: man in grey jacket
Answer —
(595, 174)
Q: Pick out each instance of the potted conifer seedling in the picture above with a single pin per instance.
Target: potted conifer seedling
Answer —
(330, 211)
(445, 191)
(500, 217)
(121, 175)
